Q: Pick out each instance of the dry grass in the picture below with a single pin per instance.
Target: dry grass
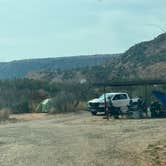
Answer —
(28, 116)
(82, 140)
(156, 153)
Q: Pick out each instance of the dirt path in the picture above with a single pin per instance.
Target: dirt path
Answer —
(83, 140)
(30, 116)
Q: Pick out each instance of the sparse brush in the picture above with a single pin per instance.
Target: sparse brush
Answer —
(4, 113)
(64, 102)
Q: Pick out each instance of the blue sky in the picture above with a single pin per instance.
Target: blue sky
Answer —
(53, 28)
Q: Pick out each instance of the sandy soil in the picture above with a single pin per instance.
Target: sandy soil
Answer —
(30, 116)
(82, 140)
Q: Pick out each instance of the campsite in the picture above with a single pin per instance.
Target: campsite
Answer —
(115, 104)
(75, 137)
(82, 83)
(78, 138)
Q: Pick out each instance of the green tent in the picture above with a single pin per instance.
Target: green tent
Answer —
(45, 106)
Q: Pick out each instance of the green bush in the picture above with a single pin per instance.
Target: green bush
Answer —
(23, 107)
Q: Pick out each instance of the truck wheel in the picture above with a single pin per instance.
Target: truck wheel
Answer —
(93, 113)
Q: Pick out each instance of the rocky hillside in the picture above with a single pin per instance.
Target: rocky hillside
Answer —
(19, 69)
(146, 60)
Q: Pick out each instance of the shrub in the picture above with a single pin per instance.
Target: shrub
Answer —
(22, 107)
(64, 102)
(4, 113)
(82, 106)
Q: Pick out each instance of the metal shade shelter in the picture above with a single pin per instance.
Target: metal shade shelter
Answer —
(130, 84)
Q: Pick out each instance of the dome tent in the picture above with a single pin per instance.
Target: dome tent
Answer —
(45, 106)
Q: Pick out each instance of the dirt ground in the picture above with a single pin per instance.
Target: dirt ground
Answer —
(82, 140)
(30, 116)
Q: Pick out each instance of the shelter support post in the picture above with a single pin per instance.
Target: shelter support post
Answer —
(105, 104)
(146, 95)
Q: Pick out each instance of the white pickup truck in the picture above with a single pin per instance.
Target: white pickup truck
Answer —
(118, 100)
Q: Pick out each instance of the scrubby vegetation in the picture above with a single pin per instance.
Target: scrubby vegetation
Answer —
(21, 95)
(4, 113)
(64, 102)
(24, 95)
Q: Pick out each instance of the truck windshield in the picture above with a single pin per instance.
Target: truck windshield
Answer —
(107, 95)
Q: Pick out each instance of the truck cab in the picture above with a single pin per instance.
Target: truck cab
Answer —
(119, 100)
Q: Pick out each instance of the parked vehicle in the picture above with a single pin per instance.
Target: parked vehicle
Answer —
(138, 109)
(120, 101)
